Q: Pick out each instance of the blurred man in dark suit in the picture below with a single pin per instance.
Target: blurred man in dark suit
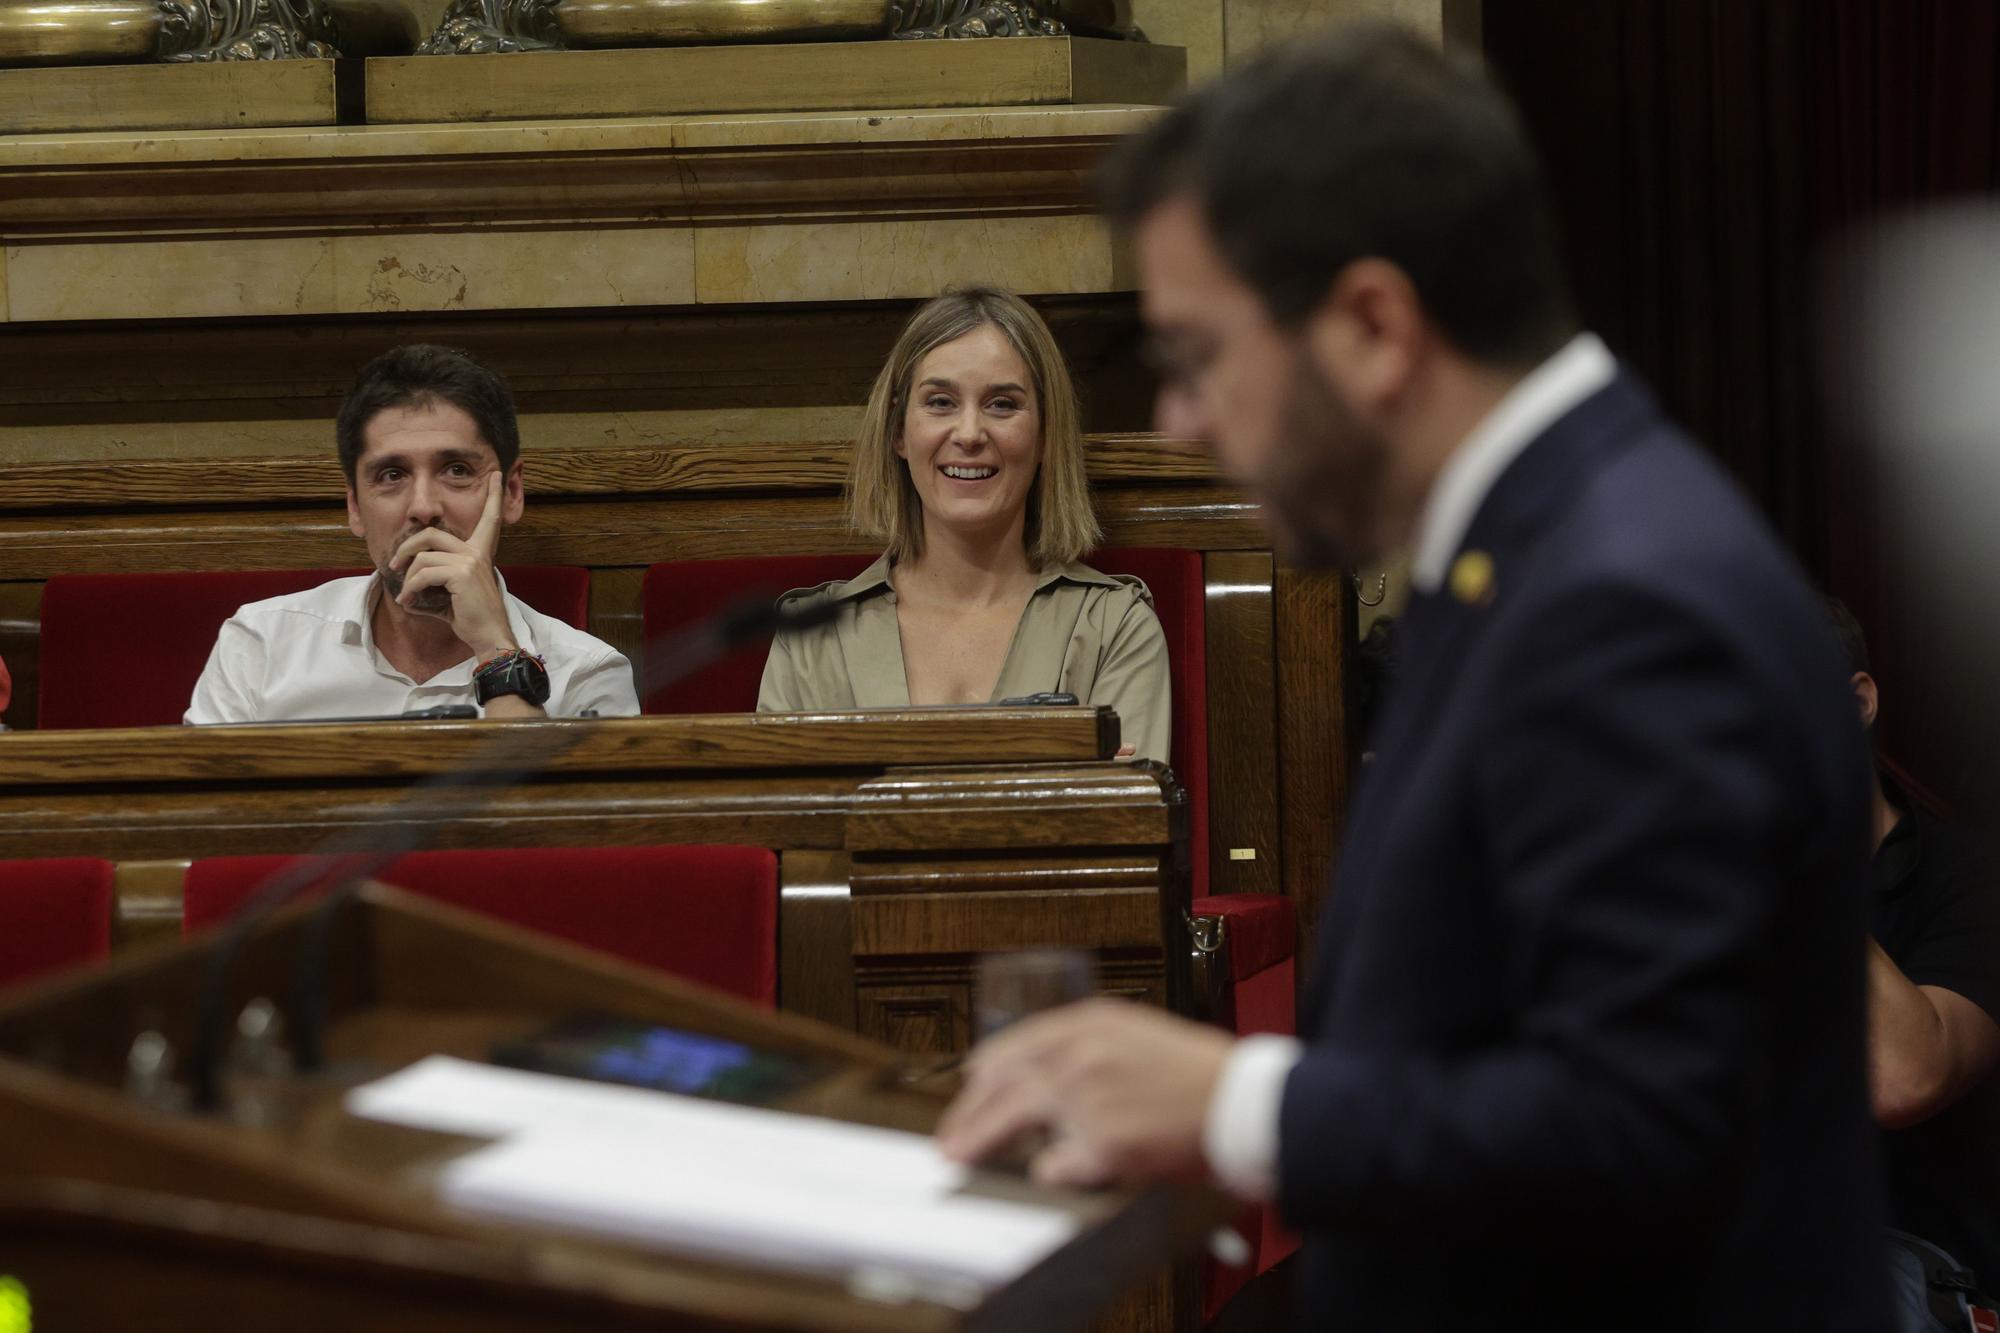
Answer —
(1585, 1044)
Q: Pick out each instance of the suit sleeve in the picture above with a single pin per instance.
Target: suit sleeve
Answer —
(1630, 786)
(231, 685)
(1132, 678)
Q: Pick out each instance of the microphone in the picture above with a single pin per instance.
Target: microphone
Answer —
(404, 826)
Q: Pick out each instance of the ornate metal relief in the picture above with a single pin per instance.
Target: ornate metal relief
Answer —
(201, 30)
(484, 27)
(473, 27)
(976, 18)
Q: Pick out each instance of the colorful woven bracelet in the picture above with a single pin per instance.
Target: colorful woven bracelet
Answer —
(504, 660)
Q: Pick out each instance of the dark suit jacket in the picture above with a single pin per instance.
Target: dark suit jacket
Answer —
(1585, 1046)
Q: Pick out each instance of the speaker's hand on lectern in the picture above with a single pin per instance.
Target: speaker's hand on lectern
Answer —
(1121, 1090)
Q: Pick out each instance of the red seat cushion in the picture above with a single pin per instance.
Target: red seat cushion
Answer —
(1263, 929)
(560, 592)
(709, 914)
(53, 913)
(96, 626)
(681, 593)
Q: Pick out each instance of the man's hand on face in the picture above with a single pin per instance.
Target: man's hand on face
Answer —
(433, 558)
(1122, 1090)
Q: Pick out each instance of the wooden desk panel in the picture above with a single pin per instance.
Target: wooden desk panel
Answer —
(910, 840)
(390, 751)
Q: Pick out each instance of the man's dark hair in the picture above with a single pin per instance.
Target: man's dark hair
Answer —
(1848, 630)
(417, 374)
(1367, 143)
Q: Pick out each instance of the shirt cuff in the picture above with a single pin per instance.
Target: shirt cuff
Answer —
(1240, 1136)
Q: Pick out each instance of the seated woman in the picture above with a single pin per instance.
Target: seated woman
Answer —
(969, 469)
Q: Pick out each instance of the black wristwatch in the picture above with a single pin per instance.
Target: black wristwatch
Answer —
(512, 672)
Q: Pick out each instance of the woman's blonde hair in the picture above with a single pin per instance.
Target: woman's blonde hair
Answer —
(882, 500)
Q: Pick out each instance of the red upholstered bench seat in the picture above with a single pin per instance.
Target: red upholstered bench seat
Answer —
(53, 913)
(707, 914)
(1263, 943)
(685, 592)
(95, 625)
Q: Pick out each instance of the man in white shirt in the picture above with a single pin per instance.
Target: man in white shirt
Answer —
(429, 444)
(1582, 1046)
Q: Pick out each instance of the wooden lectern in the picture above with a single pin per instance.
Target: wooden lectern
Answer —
(120, 1213)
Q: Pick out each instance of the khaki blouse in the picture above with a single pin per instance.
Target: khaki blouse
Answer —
(1083, 633)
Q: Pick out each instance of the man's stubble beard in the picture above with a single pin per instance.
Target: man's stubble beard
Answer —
(432, 601)
(1326, 477)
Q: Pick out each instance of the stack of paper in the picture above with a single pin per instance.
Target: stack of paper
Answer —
(742, 1183)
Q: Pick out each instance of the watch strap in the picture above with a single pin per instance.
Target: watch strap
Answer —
(514, 672)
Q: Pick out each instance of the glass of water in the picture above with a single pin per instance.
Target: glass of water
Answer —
(1011, 986)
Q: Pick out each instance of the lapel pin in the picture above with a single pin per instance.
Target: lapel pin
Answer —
(1472, 578)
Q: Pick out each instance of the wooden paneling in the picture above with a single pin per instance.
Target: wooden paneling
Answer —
(934, 1019)
(974, 807)
(804, 810)
(607, 367)
(616, 612)
(559, 472)
(578, 532)
(816, 936)
(897, 167)
(1243, 824)
(389, 751)
(146, 900)
(884, 867)
(967, 921)
(1315, 621)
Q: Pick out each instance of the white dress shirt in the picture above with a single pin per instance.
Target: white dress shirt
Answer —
(1240, 1134)
(312, 654)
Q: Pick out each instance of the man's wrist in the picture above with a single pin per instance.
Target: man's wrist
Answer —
(514, 674)
(1239, 1136)
(497, 647)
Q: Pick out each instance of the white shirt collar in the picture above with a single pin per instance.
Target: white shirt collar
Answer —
(1543, 397)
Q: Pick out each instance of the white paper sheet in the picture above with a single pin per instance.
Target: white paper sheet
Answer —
(677, 1173)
